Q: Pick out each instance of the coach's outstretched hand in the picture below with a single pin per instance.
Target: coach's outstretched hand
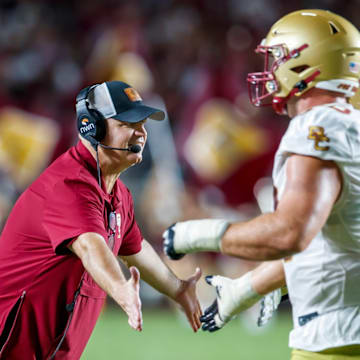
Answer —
(233, 297)
(130, 301)
(186, 297)
(193, 236)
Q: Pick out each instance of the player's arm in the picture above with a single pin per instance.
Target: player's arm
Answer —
(312, 188)
(157, 274)
(103, 266)
(236, 295)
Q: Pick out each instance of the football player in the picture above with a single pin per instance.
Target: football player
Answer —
(312, 65)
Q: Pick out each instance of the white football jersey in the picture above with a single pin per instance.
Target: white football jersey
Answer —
(324, 280)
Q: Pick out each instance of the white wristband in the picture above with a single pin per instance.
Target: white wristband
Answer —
(240, 297)
(199, 235)
(233, 296)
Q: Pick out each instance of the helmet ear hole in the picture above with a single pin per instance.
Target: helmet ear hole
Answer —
(299, 69)
(334, 30)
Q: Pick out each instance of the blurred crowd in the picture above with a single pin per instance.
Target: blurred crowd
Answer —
(212, 158)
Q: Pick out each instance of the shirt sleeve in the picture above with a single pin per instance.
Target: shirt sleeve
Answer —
(132, 237)
(74, 207)
(322, 133)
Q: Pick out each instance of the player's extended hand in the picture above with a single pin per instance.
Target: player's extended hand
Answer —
(214, 318)
(188, 300)
(130, 299)
(233, 297)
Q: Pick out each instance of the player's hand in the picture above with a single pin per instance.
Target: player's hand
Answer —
(212, 319)
(188, 300)
(208, 319)
(130, 299)
(192, 236)
(168, 245)
(232, 297)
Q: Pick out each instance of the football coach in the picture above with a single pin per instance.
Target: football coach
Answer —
(60, 246)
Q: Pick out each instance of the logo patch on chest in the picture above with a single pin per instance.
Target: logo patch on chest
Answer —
(317, 133)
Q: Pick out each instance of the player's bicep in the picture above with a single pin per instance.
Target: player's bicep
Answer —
(312, 188)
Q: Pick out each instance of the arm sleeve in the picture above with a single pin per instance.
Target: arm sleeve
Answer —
(320, 133)
(73, 208)
(132, 237)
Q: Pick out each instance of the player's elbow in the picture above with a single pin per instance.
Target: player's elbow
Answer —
(294, 239)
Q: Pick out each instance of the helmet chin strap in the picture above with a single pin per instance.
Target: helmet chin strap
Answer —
(279, 103)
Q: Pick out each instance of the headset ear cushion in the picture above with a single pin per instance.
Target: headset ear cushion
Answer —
(90, 122)
(100, 126)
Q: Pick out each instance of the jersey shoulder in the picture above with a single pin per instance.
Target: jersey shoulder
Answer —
(329, 132)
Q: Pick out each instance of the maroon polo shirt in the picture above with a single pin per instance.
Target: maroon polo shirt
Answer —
(39, 276)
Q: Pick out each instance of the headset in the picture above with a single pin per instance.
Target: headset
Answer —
(90, 122)
(91, 126)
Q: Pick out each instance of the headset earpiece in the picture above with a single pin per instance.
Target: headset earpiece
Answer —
(90, 122)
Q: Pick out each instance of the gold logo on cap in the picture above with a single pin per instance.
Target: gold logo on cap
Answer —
(132, 94)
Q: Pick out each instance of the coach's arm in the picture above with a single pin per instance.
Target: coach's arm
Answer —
(103, 266)
(157, 274)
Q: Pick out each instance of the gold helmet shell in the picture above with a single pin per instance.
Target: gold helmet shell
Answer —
(305, 49)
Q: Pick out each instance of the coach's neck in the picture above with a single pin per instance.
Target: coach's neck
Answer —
(110, 170)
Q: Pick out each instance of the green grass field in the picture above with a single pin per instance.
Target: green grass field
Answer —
(166, 336)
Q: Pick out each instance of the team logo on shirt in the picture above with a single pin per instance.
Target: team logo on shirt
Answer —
(317, 133)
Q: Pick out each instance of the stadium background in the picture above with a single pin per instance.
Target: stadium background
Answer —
(211, 158)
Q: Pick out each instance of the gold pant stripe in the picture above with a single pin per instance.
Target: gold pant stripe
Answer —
(351, 352)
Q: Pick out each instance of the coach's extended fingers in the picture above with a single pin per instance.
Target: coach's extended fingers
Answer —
(133, 303)
(198, 312)
(193, 313)
(187, 298)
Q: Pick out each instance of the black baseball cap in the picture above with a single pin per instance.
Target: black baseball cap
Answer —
(120, 101)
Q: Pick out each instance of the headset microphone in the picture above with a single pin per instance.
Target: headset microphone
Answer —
(135, 148)
(132, 148)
